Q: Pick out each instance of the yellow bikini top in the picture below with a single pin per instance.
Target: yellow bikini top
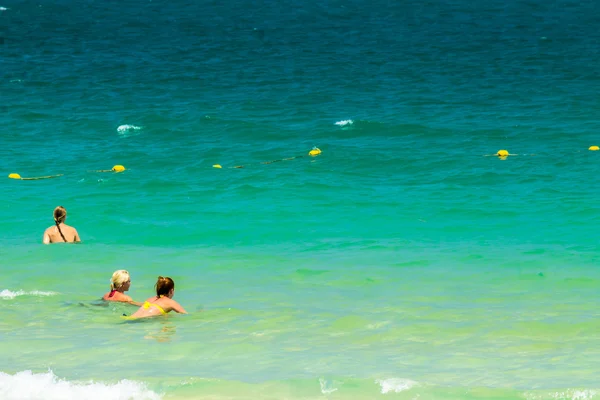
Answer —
(147, 305)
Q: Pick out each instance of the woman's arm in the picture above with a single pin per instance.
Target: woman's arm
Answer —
(128, 299)
(177, 307)
(46, 238)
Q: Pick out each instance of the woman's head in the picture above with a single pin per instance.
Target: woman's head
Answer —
(120, 280)
(60, 214)
(164, 287)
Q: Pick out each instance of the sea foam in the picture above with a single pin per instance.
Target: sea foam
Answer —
(326, 386)
(395, 385)
(571, 394)
(26, 385)
(8, 294)
(128, 128)
(344, 122)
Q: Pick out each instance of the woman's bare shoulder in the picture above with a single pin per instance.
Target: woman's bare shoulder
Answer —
(126, 298)
(69, 228)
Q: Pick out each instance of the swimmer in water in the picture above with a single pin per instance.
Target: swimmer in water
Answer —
(60, 232)
(119, 284)
(162, 303)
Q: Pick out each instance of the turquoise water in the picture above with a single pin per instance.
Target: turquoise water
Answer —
(406, 261)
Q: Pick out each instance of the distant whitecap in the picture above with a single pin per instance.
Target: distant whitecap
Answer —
(3, 9)
(127, 128)
(344, 122)
(8, 294)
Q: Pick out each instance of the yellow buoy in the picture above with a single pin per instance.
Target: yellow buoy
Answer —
(594, 148)
(314, 152)
(502, 153)
(118, 168)
(217, 166)
(36, 178)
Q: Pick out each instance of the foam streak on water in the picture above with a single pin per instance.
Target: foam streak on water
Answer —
(8, 295)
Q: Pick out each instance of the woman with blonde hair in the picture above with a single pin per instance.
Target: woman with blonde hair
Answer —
(119, 284)
(162, 303)
(60, 232)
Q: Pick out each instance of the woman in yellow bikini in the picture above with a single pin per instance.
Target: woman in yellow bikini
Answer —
(162, 303)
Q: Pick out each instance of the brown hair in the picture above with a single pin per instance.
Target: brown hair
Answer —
(60, 214)
(163, 286)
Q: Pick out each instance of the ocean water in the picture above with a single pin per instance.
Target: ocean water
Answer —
(406, 261)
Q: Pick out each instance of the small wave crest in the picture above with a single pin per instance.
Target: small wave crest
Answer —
(345, 122)
(9, 294)
(3, 9)
(395, 385)
(127, 130)
(26, 385)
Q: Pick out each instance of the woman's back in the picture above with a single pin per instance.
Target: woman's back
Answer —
(54, 236)
(60, 232)
(162, 303)
(155, 306)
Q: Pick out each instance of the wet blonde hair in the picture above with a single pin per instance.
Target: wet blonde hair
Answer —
(119, 277)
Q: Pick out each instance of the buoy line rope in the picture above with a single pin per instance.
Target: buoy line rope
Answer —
(115, 169)
(313, 153)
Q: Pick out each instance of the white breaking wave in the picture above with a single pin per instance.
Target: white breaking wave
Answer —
(344, 122)
(127, 128)
(3, 9)
(26, 385)
(8, 294)
(395, 385)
